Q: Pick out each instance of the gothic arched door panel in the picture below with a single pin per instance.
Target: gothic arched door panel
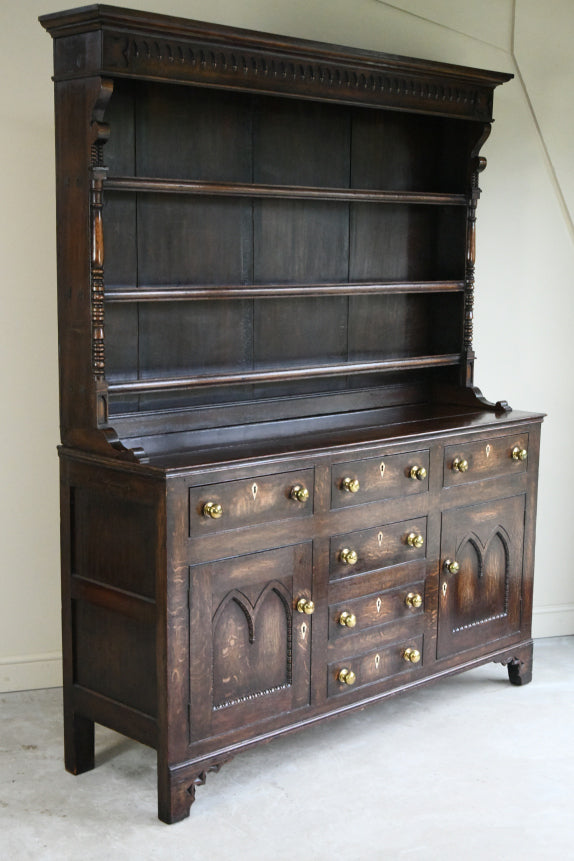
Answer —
(254, 660)
(481, 574)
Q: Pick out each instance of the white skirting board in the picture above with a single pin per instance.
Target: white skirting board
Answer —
(553, 620)
(32, 672)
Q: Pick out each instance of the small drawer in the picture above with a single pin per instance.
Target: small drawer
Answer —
(378, 547)
(368, 611)
(348, 674)
(246, 502)
(357, 481)
(488, 458)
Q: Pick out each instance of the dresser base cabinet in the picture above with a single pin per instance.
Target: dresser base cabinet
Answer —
(203, 646)
(282, 496)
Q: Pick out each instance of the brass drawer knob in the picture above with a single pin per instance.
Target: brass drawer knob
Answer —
(412, 656)
(414, 600)
(348, 556)
(212, 509)
(415, 540)
(519, 453)
(452, 566)
(418, 473)
(299, 493)
(347, 620)
(346, 676)
(459, 464)
(351, 485)
(304, 605)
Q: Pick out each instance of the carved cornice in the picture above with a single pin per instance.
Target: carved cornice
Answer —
(135, 44)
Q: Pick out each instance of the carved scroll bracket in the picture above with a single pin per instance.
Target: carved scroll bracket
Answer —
(100, 130)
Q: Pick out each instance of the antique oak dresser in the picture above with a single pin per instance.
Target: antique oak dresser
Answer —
(282, 497)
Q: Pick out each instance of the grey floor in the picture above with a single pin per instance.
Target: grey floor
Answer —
(470, 768)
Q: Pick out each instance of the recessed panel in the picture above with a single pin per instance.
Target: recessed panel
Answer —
(300, 241)
(120, 240)
(195, 338)
(410, 152)
(404, 324)
(407, 242)
(301, 143)
(115, 656)
(192, 133)
(300, 331)
(188, 240)
(114, 541)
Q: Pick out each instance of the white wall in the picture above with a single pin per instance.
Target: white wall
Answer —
(524, 308)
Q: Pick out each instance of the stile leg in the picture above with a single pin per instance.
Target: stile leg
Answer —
(520, 667)
(78, 743)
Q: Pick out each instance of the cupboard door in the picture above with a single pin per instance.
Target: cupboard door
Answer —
(481, 574)
(249, 644)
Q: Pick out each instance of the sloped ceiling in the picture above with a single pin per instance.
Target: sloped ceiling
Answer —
(543, 52)
(489, 20)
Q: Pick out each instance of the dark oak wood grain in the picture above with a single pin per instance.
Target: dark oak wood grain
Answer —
(282, 496)
(219, 189)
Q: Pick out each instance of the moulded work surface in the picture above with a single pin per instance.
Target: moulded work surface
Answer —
(280, 439)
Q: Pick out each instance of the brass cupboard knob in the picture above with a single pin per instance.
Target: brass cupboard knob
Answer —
(459, 464)
(415, 540)
(452, 566)
(414, 600)
(212, 509)
(413, 656)
(351, 485)
(348, 556)
(299, 493)
(304, 605)
(418, 473)
(519, 453)
(347, 620)
(346, 676)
